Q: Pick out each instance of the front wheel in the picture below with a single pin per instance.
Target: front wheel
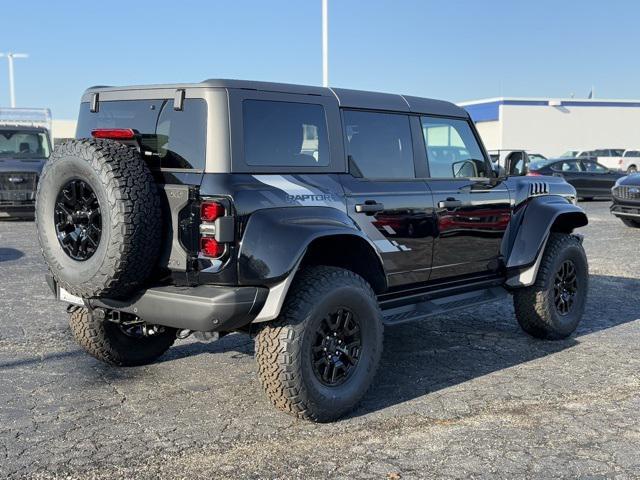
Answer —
(630, 222)
(317, 360)
(552, 307)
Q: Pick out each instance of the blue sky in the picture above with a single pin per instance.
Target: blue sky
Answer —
(454, 50)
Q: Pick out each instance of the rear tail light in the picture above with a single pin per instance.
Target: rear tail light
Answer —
(214, 229)
(534, 174)
(210, 247)
(210, 211)
(114, 133)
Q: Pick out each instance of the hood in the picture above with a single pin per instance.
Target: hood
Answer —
(633, 179)
(21, 165)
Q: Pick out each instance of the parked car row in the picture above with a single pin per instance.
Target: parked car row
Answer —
(613, 158)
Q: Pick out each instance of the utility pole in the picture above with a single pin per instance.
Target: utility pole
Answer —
(12, 90)
(325, 44)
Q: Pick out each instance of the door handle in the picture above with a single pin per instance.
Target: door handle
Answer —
(369, 207)
(450, 203)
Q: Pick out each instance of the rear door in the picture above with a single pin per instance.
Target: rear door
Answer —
(472, 209)
(384, 196)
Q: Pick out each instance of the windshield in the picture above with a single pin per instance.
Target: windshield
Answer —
(23, 144)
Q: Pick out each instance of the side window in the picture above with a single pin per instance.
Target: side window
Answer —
(181, 136)
(284, 134)
(379, 145)
(452, 149)
(567, 167)
(594, 167)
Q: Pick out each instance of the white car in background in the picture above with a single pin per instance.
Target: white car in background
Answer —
(609, 157)
(630, 161)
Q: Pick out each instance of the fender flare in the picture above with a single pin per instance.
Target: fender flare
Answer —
(524, 243)
(274, 244)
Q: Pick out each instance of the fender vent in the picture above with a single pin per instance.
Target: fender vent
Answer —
(538, 188)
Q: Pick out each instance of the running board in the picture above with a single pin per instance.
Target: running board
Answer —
(437, 306)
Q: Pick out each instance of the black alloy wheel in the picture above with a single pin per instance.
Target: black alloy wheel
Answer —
(78, 220)
(336, 348)
(565, 287)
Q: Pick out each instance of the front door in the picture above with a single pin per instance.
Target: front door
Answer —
(384, 197)
(472, 209)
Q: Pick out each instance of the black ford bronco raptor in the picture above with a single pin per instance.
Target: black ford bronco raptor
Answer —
(310, 217)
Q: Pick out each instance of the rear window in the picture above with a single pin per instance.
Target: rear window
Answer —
(284, 134)
(170, 138)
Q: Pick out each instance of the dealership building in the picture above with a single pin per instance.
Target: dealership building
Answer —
(551, 126)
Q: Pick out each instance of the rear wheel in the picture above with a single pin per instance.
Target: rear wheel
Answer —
(552, 307)
(317, 360)
(116, 344)
(631, 223)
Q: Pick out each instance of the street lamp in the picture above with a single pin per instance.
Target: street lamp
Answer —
(325, 43)
(12, 91)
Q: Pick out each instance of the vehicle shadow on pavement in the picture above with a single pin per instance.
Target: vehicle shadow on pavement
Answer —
(8, 254)
(424, 357)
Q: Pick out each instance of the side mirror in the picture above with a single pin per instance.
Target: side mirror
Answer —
(464, 169)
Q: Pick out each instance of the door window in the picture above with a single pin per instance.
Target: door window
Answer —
(379, 145)
(571, 166)
(594, 167)
(452, 149)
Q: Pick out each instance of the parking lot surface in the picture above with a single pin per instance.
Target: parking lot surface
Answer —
(462, 396)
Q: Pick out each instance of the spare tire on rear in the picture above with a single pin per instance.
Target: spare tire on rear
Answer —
(98, 218)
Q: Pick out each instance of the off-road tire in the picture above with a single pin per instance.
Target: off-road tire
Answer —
(130, 210)
(630, 222)
(105, 341)
(283, 347)
(535, 309)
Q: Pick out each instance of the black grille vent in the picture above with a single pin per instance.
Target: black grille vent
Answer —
(627, 192)
(538, 188)
(18, 181)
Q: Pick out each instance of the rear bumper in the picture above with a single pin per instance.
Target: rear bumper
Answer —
(204, 308)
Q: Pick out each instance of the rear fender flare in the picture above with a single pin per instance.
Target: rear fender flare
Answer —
(275, 242)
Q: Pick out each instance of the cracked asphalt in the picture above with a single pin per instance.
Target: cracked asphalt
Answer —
(463, 396)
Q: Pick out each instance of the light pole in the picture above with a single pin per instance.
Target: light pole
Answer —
(12, 90)
(325, 44)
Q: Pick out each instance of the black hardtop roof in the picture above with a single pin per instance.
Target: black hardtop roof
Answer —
(346, 97)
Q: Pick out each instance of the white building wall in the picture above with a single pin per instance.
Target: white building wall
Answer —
(63, 128)
(554, 130)
(491, 134)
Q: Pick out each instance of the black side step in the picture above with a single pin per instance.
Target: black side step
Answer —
(436, 306)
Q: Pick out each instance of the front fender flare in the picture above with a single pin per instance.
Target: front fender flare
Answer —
(529, 230)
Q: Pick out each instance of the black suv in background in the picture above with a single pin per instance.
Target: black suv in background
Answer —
(24, 147)
(310, 217)
(626, 200)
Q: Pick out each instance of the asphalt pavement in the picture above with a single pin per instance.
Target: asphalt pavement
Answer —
(467, 395)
